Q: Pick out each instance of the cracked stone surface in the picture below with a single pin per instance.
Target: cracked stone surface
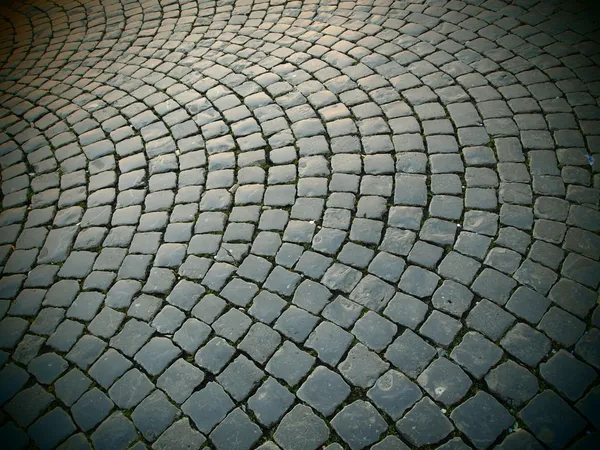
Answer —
(299, 225)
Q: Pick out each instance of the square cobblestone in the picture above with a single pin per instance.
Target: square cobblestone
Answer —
(208, 406)
(410, 353)
(394, 393)
(324, 390)
(359, 424)
(290, 364)
(476, 354)
(481, 407)
(548, 410)
(417, 425)
(270, 402)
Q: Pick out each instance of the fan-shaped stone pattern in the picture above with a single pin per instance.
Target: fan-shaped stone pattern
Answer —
(206, 206)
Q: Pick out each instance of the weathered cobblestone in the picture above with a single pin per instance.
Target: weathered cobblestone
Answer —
(298, 225)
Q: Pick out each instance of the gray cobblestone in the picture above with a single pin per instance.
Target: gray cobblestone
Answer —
(178, 174)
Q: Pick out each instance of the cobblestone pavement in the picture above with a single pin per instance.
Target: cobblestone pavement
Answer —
(299, 225)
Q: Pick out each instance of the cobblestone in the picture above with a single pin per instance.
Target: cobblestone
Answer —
(413, 428)
(481, 407)
(281, 220)
(545, 410)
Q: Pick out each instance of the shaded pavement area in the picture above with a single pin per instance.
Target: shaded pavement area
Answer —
(299, 225)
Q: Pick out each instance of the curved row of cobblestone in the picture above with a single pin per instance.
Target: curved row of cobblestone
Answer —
(241, 224)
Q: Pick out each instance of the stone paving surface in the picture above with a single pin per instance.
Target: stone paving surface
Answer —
(300, 225)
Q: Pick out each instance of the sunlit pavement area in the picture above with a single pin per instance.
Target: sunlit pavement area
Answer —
(300, 225)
